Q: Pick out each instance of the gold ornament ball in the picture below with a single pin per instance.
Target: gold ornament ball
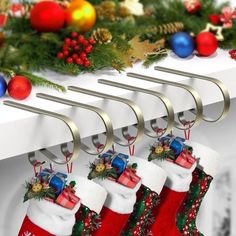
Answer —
(159, 149)
(100, 167)
(37, 187)
(82, 14)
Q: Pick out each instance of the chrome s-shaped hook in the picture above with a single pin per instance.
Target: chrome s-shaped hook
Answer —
(215, 81)
(70, 124)
(131, 104)
(170, 112)
(193, 93)
(105, 118)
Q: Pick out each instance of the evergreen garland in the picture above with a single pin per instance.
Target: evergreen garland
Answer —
(24, 50)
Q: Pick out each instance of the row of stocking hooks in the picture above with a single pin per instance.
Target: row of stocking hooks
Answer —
(152, 129)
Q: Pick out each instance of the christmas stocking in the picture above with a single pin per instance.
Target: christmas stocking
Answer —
(92, 197)
(171, 197)
(153, 179)
(118, 207)
(202, 177)
(45, 218)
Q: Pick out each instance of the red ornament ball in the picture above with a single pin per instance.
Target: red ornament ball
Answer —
(19, 87)
(47, 16)
(206, 44)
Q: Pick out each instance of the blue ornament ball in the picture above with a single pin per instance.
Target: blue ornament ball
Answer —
(3, 86)
(182, 44)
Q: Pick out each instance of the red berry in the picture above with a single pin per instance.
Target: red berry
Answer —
(78, 61)
(80, 38)
(85, 43)
(73, 43)
(67, 41)
(69, 60)
(60, 55)
(88, 49)
(83, 56)
(65, 48)
(86, 63)
(74, 34)
(91, 41)
(66, 53)
(76, 48)
(75, 56)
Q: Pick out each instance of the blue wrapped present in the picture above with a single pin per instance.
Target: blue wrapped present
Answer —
(57, 180)
(177, 145)
(108, 156)
(119, 162)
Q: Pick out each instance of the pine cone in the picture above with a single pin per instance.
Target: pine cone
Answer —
(102, 36)
(107, 10)
(170, 28)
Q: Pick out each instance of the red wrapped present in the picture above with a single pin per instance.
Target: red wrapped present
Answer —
(17, 10)
(67, 199)
(185, 159)
(192, 5)
(129, 178)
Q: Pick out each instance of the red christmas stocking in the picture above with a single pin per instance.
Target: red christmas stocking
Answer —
(153, 179)
(92, 197)
(171, 197)
(118, 207)
(209, 162)
(45, 218)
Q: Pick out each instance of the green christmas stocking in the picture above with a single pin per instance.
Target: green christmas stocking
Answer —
(87, 222)
(186, 217)
(141, 216)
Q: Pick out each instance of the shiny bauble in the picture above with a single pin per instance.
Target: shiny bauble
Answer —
(19, 87)
(3, 86)
(206, 44)
(81, 14)
(182, 44)
(47, 16)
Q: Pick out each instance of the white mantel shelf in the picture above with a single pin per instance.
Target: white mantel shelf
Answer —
(23, 131)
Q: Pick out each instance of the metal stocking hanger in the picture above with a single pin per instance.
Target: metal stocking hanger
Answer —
(170, 111)
(196, 97)
(70, 124)
(105, 118)
(125, 130)
(217, 82)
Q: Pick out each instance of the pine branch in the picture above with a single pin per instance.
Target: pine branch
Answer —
(34, 79)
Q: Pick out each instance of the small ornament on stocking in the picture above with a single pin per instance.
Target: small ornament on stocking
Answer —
(52, 205)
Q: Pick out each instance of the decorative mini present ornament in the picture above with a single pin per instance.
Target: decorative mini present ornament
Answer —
(56, 180)
(185, 159)
(67, 197)
(17, 10)
(192, 5)
(119, 162)
(129, 178)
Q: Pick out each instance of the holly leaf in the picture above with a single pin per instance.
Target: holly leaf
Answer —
(140, 50)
